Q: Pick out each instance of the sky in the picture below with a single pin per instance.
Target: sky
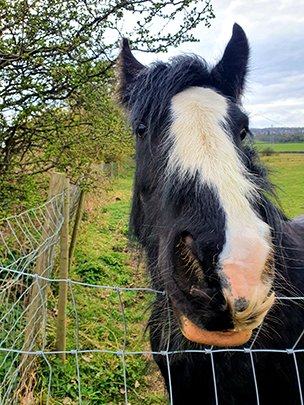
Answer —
(274, 94)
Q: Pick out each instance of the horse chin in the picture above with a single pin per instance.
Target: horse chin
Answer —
(223, 339)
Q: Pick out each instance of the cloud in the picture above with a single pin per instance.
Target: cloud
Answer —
(276, 79)
(275, 29)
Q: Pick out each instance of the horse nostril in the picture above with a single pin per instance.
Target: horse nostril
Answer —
(187, 269)
(197, 292)
(240, 304)
(188, 241)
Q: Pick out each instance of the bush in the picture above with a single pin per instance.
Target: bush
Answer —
(268, 151)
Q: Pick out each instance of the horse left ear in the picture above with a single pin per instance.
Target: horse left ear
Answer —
(229, 74)
(129, 66)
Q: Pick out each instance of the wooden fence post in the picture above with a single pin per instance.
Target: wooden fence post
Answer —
(63, 275)
(112, 169)
(78, 217)
(35, 317)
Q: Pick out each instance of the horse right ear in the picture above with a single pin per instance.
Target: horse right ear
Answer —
(229, 74)
(129, 68)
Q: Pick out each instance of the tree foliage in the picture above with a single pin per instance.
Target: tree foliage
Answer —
(88, 128)
(56, 72)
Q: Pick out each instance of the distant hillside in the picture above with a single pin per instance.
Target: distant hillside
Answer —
(279, 135)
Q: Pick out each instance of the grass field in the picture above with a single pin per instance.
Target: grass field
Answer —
(281, 147)
(103, 257)
(287, 173)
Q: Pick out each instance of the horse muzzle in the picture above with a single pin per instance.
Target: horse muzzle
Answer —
(205, 304)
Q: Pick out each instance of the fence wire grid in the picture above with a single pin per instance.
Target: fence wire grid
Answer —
(30, 240)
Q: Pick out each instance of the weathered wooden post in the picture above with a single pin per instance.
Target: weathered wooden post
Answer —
(102, 166)
(63, 275)
(38, 294)
(112, 169)
(78, 217)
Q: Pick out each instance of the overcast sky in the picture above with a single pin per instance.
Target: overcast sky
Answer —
(275, 29)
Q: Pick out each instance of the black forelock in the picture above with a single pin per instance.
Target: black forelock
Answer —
(149, 97)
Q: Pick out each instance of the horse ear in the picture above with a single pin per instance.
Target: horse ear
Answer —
(129, 66)
(229, 74)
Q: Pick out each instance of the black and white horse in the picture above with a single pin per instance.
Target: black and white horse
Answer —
(221, 251)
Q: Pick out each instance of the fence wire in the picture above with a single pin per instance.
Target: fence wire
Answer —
(28, 244)
(28, 237)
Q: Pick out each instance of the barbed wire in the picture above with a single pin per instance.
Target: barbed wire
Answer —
(33, 236)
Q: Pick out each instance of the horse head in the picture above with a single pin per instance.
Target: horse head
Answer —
(198, 204)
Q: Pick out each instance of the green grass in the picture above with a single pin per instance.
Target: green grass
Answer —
(281, 147)
(287, 173)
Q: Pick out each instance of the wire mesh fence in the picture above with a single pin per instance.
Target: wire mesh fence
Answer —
(28, 251)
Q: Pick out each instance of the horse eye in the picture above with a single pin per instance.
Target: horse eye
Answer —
(141, 129)
(244, 132)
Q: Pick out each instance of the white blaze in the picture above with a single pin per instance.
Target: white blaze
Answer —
(202, 145)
